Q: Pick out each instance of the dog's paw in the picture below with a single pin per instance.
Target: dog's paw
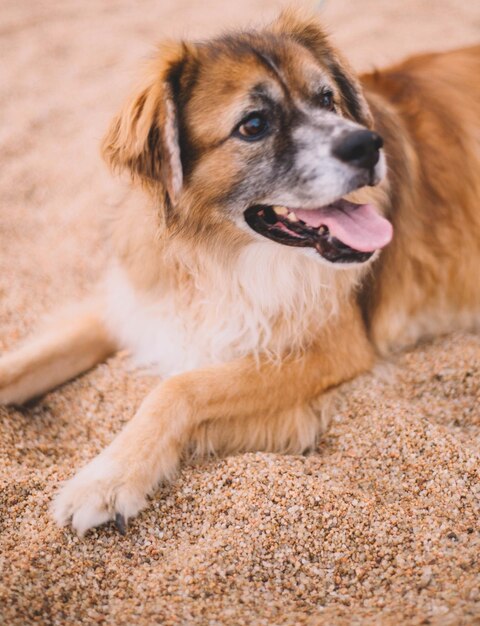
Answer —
(19, 381)
(7, 388)
(100, 492)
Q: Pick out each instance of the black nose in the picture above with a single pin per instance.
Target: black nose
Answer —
(360, 148)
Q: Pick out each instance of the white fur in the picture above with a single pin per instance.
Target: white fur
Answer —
(95, 494)
(230, 313)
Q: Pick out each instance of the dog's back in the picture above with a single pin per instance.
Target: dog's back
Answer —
(428, 110)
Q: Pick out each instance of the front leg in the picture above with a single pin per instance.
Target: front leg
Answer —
(115, 484)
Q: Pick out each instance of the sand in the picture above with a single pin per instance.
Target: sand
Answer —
(378, 526)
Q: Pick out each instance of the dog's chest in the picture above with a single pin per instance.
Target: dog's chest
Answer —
(159, 333)
(248, 313)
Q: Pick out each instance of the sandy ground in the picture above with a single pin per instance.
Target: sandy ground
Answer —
(379, 526)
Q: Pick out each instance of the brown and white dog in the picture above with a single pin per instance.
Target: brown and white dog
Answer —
(250, 277)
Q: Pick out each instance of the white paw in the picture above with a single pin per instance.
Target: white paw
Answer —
(7, 388)
(100, 492)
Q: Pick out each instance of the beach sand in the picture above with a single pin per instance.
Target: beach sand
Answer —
(379, 526)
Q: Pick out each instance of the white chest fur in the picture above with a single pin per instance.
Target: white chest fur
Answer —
(271, 300)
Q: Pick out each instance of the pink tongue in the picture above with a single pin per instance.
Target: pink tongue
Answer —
(358, 226)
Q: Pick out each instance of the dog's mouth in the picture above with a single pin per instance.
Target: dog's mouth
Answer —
(341, 232)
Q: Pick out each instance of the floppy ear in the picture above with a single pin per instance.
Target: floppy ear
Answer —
(307, 31)
(144, 138)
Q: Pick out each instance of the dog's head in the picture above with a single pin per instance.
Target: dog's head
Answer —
(264, 132)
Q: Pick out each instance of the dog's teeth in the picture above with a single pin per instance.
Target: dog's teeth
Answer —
(280, 210)
(322, 230)
(292, 217)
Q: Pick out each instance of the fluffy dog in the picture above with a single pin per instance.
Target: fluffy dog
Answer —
(250, 275)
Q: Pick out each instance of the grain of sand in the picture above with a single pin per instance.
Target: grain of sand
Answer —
(378, 526)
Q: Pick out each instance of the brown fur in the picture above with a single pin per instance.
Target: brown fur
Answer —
(427, 108)
(424, 283)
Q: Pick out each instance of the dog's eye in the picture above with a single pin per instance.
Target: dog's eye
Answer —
(253, 127)
(326, 101)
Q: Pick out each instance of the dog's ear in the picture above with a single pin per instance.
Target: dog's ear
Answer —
(306, 30)
(144, 137)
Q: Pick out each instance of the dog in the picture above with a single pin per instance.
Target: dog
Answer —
(297, 223)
